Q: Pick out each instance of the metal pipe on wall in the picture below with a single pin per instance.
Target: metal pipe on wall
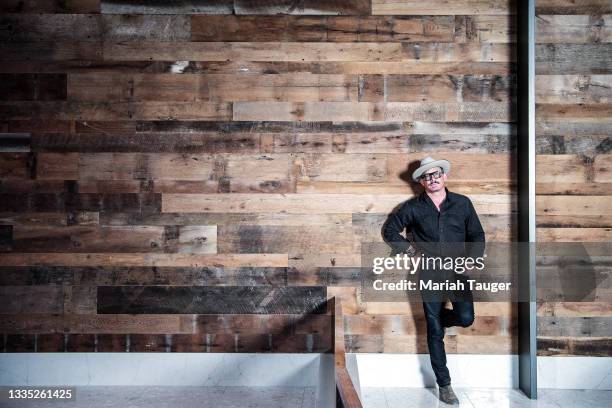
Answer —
(527, 329)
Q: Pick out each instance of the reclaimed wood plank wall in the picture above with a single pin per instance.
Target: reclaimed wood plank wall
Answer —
(152, 154)
(574, 160)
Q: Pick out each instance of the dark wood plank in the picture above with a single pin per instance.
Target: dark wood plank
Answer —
(146, 142)
(69, 202)
(157, 110)
(573, 7)
(567, 59)
(175, 7)
(141, 275)
(93, 27)
(193, 66)
(14, 142)
(322, 28)
(31, 299)
(339, 7)
(50, 6)
(203, 299)
(6, 238)
(578, 346)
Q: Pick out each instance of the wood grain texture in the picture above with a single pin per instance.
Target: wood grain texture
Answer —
(442, 7)
(210, 300)
(171, 152)
(573, 163)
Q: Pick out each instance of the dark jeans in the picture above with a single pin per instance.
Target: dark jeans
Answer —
(438, 318)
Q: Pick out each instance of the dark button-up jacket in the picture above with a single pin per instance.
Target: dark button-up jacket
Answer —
(456, 221)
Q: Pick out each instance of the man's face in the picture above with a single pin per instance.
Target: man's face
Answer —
(430, 182)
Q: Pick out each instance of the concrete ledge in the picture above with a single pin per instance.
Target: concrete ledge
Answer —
(214, 369)
(292, 369)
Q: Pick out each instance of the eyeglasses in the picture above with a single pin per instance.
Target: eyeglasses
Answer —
(433, 175)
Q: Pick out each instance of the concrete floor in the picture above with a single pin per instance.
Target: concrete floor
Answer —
(301, 397)
(485, 397)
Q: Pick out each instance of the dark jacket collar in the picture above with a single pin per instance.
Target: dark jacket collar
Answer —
(426, 199)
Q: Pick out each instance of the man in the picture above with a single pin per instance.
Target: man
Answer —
(438, 215)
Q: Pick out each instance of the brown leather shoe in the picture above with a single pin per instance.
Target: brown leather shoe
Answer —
(447, 395)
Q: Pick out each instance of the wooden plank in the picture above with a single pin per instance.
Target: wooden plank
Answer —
(19, 342)
(575, 221)
(145, 142)
(367, 111)
(51, 51)
(31, 299)
(116, 111)
(571, 7)
(36, 125)
(575, 309)
(487, 344)
(416, 88)
(573, 89)
(212, 88)
(118, 239)
(57, 166)
(70, 202)
(14, 142)
(287, 28)
(573, 205)
(92, 27)
(580, 112)
(574, 346)
(571, 129)
(144, 259)
(587, 145)
(143, 275)
(32, 87)
(16, 166)
(80, 299)
(391, 325)
(603, 168)
(228, 218)
(484, 28)
(470, 7)
(574, 326)
(26, 323)
(176, 7)
(473, 88)
(50, 6)
(574, 234)
(573, 59)
(337, 7)
(265, 67)
(279, 239)
(210, 299)
(505, 309)
(563, 168)
(50, 342)
(309, 203)
(6, 238)
(118, 166)
(294, 52)
(342, 167)
(560, 188)
(574, 29)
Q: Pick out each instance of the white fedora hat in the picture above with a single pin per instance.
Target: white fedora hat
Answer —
(428, 163)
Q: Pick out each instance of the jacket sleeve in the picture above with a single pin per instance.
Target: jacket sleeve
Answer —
(474, 233)
(395, 225)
